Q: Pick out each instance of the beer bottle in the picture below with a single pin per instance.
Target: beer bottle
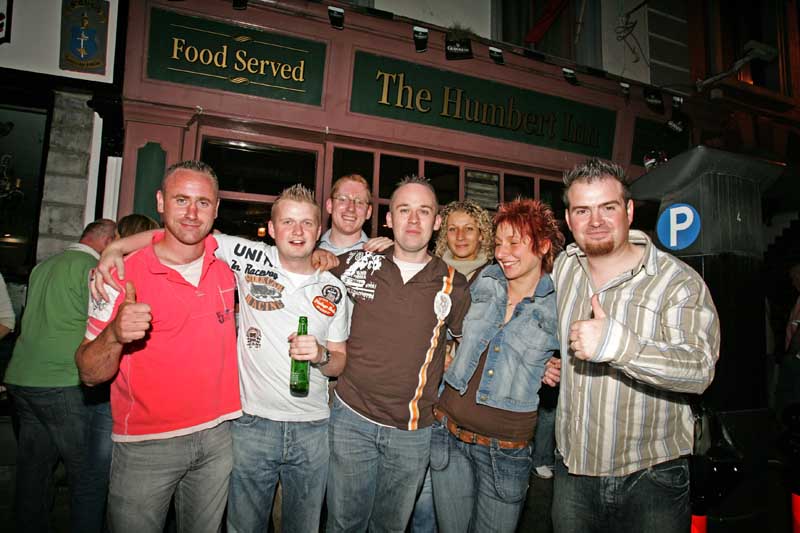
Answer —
(298, 378)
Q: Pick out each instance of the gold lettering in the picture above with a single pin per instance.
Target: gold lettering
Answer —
(447, 100)
(206, 57)
(424, 95)
(513, 118)
(286, 71)
(403, 90)
(275, 66)
(298, 71)
(252, 65)
(494, 110)
(551, 121)
(263, 63)
(191, 54)
(385, 88)
(532, 124)
(177, 46)
(472, 109)
(241, 60)
(221, 57)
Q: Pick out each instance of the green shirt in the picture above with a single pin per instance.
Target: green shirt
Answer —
(54, 321)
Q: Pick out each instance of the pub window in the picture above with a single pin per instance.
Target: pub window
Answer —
(551, 193)
(244, 219)
(574, 33)
(383, 229)
(23, 134)
(444, 179)
(483, 188)
(258, 169)
(517, 187)
(763, 22)
(393, 169)
(346, 161)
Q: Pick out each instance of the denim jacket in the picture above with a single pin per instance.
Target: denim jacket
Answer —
(518, 350)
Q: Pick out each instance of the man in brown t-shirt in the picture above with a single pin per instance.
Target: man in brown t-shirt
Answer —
(405, 302)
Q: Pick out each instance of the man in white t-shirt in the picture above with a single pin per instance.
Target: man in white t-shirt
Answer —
(281, 436)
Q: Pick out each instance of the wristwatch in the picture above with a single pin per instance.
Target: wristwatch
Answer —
(326, 358)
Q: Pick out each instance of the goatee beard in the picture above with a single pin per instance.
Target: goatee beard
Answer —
(598, 249)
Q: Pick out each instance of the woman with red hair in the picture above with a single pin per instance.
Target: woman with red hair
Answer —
(486, 416)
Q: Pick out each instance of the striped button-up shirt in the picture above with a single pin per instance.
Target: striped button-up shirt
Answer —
(628, 408)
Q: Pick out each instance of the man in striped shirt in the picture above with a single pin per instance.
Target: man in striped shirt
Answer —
(639, 334)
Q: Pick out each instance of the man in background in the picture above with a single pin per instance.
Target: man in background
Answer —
(349, 206)
(44, 384)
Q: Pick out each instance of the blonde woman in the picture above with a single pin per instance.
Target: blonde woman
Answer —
(466, 237)
(466, 243)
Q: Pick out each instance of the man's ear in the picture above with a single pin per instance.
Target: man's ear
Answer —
(389, 219)
(271, 230)
(160, 202)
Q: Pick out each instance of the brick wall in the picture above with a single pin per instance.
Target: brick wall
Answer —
(66, 175)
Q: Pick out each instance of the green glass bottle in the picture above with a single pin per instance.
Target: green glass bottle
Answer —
(298, 378)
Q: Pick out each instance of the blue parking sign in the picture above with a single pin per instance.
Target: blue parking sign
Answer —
(678, 226)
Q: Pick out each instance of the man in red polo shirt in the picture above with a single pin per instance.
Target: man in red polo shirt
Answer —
(170, 340)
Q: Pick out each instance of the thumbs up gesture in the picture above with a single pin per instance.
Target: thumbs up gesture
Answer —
(133, 319)
(585, 335)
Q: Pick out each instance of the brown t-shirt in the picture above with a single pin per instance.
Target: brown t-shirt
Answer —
(395, 353)
(488, 421)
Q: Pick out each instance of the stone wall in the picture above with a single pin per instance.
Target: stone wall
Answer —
(66, 175)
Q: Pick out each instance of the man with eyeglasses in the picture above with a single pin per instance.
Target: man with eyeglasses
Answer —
(349, 206)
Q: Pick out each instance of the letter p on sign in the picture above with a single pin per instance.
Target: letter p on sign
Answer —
(678, 226)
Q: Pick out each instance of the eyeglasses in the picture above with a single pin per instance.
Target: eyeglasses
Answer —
(358, 203)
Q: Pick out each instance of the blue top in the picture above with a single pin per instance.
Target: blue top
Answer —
(517, 351)
(326, 244)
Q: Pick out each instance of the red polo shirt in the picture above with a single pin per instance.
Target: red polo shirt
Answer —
(182, 377)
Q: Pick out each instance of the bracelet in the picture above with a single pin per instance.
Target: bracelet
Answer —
(326, 358)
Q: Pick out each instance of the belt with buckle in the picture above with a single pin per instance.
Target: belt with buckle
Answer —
(470, 437)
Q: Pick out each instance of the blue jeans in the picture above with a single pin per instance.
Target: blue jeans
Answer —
(265, 451)
(53, 425)
(654, 499)
(423, 519)
(544, 441)
(375, 473)
(195, 468)
(477, 488)
(98, 462)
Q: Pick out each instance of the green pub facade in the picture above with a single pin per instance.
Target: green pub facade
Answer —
(273, 96)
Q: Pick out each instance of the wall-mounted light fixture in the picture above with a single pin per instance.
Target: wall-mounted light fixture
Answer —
(496, 54)
(420, 38)
(654, 99)
(679, 121)
(336, 16)
(569, 75)
(625, 88)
